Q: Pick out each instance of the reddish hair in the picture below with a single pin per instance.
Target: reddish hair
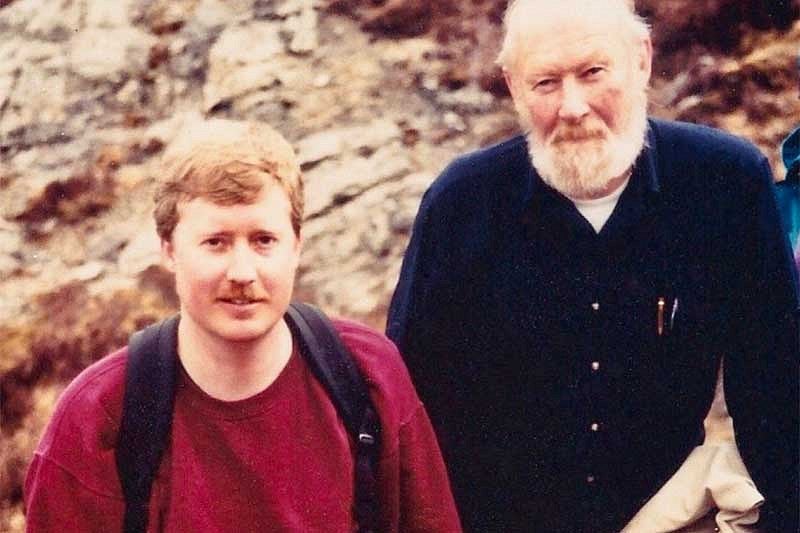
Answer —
(226, 162)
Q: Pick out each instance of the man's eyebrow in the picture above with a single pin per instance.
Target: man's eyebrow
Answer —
(212, 233)
(600, 58)
(545, 70)
(554, 68)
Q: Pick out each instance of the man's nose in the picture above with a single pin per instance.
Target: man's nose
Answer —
(241, 265)
(573, 101)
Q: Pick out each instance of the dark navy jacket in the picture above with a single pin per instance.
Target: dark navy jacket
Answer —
(535, 342)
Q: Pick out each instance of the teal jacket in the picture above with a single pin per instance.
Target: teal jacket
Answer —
(788, 191)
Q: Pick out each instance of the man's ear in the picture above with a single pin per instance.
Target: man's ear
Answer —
(509, 82)
(168, 255)
(644, 59)
(298, 247)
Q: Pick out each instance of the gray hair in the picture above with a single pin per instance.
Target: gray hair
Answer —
(520, 14)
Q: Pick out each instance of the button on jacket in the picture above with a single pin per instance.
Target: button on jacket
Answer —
(568, 372)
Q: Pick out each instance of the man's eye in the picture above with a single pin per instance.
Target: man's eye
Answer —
(593, 72)
(265, 240)
(213, 242)
(545, 84)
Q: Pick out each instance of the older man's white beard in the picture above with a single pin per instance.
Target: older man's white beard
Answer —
(580, 161)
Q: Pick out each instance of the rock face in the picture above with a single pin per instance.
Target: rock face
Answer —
(375, 95)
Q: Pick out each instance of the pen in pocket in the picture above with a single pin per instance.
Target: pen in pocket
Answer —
(660, 309)
(673, 313)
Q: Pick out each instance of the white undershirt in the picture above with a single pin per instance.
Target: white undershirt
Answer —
(597, 210)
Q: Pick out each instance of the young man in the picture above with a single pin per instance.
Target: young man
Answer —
(567, 297)
(256, 443)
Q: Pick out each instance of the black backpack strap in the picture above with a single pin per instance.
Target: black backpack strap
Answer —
(333, 365)
(146, 416)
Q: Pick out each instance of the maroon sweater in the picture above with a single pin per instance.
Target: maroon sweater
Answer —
(278, 461)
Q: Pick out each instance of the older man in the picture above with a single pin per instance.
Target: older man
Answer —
(567, 296)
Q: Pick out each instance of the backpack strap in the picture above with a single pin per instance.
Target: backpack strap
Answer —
(332, 364)
(146, 416)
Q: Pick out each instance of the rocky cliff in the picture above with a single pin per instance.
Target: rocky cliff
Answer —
(375, 95)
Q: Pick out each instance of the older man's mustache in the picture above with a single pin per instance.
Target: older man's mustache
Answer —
(577, 134)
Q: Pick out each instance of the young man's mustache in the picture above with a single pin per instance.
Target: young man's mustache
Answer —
(247, 294)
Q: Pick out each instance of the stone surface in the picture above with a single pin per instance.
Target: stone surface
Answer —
(22, 194)
(142, 252)
(109, 14)
(243, 61)
(33, 87)
(86, 272)
(163, 16)
(10, 244)
(334, 183)
(303, 29)
(110, 55)
(366, 239)
(325, 144)
(43, 19)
